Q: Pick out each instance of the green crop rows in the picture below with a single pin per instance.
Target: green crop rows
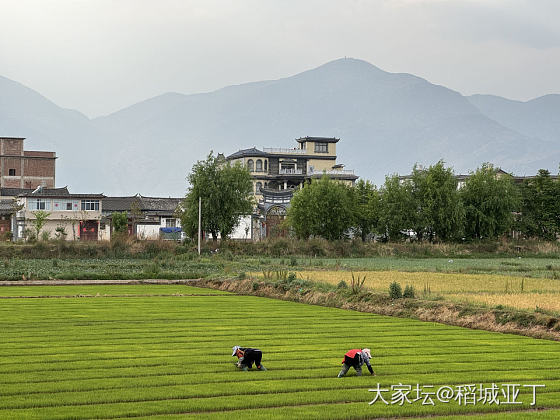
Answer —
(170, 356)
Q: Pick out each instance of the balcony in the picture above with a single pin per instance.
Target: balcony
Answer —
(290, 172)
(283, 151)
(332, 172)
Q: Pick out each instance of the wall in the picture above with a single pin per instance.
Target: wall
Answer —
(239, 232)
(150, 232)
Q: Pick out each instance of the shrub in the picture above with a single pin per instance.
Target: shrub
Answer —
(357, 284)
(293, 261)
(395, 291)
(342, 285)
(291, 277)
(408, 292)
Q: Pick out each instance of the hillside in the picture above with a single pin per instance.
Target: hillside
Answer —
(387, 122)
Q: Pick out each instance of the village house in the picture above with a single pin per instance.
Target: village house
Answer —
(148, 217)
(70, 216)
(277, 173)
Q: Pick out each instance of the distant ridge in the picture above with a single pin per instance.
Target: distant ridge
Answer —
(386, 122)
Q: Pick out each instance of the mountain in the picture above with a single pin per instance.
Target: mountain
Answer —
(538, 118)
(75, 139)
(386, 122)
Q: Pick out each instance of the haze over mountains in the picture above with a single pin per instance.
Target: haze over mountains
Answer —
(386, 122)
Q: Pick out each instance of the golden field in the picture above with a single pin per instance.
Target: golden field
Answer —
(489, 289)
(441, 283)
(547, 301)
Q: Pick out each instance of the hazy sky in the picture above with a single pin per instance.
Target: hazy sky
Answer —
(98, 56)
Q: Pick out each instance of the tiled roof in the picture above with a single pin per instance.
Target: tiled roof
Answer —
(58, 193)
(253, 151)
(6, 206)
(13, 192)
(144, 204)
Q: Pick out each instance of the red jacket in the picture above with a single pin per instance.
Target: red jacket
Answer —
(352, 353)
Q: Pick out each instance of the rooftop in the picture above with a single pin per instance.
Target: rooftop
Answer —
(144, 204)
(253, 151)
(63, 192)
(318, 139)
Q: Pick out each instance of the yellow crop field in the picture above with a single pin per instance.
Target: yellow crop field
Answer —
(548, 301)
(443, 283)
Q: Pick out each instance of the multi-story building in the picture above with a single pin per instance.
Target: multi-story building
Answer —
(21, 168)
(278, 172)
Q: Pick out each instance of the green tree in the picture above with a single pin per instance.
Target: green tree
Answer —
(397, 207)
(367, 208)
(120, 221)
(40, 221)
(323, 208)
(439, 210)
(489, 200)
(540, 207)
(226, 191)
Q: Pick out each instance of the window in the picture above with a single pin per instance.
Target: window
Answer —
(258, 187)
(321, 147)
(90, 205)
(170, 223)
(259, 165)
(64, 205)
(266, 165)
(250, 165)
(11, 172)
(39, 204)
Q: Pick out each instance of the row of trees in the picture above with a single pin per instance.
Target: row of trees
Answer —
(428, 205)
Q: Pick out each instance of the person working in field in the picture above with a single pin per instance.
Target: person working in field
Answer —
(356, 358)
(246, 357)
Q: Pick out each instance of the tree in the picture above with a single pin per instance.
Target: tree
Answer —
(40, 220)
(367, 208)
(439, 210)
(397, 207)
(226, 191)
(489, 200)
(120, 221)
(323, 208)
(540, 207)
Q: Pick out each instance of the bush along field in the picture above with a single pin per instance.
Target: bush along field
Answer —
(169, 354)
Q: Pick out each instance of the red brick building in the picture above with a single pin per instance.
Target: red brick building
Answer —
(24, 168)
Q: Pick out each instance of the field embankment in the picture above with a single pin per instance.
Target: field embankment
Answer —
(532, 324)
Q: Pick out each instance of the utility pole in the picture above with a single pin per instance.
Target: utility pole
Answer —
(199, 220)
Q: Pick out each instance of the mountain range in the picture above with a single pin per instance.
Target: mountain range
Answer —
(387, 122)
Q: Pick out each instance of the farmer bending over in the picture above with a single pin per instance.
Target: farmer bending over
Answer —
(247, 356)
(356, 358)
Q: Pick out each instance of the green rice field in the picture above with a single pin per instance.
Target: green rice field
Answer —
(165, 352)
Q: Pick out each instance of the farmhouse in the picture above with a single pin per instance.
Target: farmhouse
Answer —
(70, 216)
(277, 173)
(148, 217)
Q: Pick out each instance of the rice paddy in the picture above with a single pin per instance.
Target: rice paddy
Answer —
(165, 352)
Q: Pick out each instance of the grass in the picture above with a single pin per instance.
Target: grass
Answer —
(169, 356)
